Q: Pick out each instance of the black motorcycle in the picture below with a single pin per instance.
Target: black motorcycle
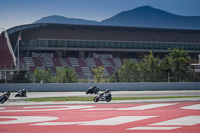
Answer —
(92, 90)
(105, 96)
(21, 93)
(4, 97)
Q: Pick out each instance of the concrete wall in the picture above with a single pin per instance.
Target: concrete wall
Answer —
(103, 86)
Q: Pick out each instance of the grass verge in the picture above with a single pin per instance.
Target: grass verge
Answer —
(91, 98)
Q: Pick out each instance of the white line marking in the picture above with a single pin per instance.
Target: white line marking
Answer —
(142, 107)
(53, 109)
(26, 119)
(152, 128)
(117, 120)
(188, 121)
(59, 106)
(148, 106)
(2, 108)
(195, 107)
(110, 121)
(99, 109)
(57, 123)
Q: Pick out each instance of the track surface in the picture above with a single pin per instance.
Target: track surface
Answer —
(114, 94)
(171, 117)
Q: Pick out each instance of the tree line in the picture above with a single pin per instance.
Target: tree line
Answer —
(62, 75)
(174, 67)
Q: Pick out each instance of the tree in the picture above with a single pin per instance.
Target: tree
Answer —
(36, 76)
(63, 75)
(70, 75)
(99, 73)
(150, 67)
(178, 64)
(115, 77)
(128, 72)
(47, 76)
(166, 67)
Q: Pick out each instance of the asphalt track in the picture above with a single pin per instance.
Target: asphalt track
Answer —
(138, 116)
(114, 94)
(18, 100)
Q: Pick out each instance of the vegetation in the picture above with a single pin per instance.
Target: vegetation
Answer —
(91, 98)
(62, 75)
(178, 64)
(174, 67)
(99, 73)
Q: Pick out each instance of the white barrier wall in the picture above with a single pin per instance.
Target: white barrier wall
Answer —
(48, 87)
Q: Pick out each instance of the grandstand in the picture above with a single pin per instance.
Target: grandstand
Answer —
(83, 47)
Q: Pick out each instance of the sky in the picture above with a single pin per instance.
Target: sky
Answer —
(20, 12)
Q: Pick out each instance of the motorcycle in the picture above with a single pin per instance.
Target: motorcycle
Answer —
(4, 97)
(105, 96)
(92, 90)
(21, 93)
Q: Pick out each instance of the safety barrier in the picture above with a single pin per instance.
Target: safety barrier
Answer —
(53, 87)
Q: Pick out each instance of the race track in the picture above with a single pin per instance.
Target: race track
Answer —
(114, 94)
(161, 116)
(168, 117)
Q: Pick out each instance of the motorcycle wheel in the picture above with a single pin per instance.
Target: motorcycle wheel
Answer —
(108, 99)
(96, 99)
(16, 95)
(2, 101)
(86, 92)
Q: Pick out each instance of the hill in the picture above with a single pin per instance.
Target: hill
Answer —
(65, 20)
(144, 16)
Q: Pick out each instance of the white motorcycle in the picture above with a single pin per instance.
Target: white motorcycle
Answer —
(105, 96)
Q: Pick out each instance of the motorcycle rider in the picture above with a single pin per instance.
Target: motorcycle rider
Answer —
(21, 93)
(94, 87)
(5, 96)
(92, 90)
(104, 96)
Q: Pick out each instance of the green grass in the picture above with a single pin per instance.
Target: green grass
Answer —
(91, 98)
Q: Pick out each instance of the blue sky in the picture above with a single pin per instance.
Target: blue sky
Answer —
(19, 12)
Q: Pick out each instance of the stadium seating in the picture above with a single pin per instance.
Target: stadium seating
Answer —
(6, 60)
(111, 60)
(74, 62)
(82, 62)
(90, 62)
(37, 62)
(29, 61)
(79, 71)
(86, 71)
(82, 66)
(56, 62)
(98, 62)
(67, 61)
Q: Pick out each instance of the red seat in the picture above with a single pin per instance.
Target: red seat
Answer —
(5, 55)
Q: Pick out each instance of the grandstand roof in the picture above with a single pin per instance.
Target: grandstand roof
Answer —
(48, 36)
(99, 27)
